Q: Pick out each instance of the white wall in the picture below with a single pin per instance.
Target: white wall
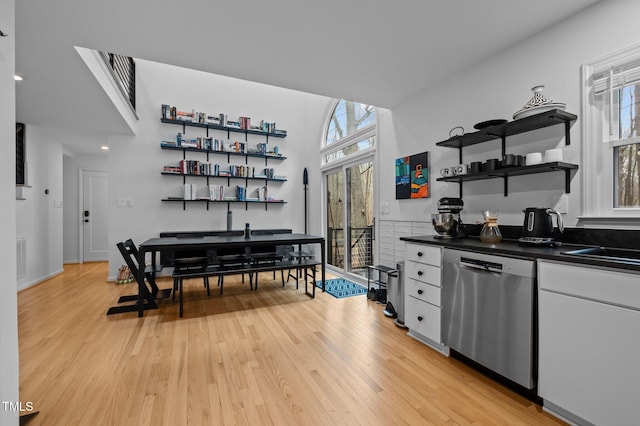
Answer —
(39, 217)
(71, 212)
(9, 365)
(497, 88)
(135, 162)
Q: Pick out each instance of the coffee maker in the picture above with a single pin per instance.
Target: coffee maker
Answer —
(447, 221)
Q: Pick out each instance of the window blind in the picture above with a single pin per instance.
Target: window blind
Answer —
(616, 77)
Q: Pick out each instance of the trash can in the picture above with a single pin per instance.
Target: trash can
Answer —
(395, 296)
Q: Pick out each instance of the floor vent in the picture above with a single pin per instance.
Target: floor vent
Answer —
(21, 252)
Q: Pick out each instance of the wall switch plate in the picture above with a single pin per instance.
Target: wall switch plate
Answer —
(57, 204)
(121, 202)
(384, 208)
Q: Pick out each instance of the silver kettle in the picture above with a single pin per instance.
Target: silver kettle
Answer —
(538, 223)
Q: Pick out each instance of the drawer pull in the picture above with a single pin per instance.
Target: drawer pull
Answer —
(420, 254)
(420, 291)
(420, 273)
(420, 318)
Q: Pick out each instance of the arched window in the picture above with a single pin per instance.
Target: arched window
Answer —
(351, 129)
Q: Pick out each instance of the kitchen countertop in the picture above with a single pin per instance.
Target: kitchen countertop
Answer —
(512, 248)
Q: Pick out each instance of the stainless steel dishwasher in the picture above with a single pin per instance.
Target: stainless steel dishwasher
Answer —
(488, 312)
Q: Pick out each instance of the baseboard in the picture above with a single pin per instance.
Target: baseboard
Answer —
(444, 350)
(39, 280)
(564, 415)
(70, 262)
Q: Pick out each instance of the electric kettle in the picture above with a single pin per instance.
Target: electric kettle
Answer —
(538, 223)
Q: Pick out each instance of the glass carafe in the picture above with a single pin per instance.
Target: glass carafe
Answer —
(490, 232)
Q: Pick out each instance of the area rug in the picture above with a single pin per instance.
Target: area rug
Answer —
(340, 288)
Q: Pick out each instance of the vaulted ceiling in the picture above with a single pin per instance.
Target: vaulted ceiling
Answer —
(374, 51)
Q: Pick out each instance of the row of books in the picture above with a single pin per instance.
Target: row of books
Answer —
(172, 113)
(218, 193)
(195, 167)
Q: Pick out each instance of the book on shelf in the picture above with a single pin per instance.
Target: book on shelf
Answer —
(189, 191)
(241, 193)
(216, 192)
(262, 193)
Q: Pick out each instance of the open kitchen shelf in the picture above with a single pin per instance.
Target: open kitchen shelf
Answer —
(502, 131)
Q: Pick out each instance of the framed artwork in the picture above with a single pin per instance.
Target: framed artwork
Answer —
(412, 176)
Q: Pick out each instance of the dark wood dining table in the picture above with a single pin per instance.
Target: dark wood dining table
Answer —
(146, 299)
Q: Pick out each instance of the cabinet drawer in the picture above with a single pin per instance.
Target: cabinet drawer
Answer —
(423, 318)
(605, 285)
(421, 272)
(430, 255)
(423, 291)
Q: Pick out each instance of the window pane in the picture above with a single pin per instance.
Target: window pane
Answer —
(626, 111)
(350, 149)
(347, 118)
(627, 176)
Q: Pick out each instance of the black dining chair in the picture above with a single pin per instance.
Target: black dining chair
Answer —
(129, 253)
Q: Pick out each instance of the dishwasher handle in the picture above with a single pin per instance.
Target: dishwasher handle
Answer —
(482, 265)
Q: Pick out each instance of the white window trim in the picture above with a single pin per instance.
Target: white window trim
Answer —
(597, 161)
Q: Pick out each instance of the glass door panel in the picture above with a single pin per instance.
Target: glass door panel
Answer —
(335, 219)
(359, 245)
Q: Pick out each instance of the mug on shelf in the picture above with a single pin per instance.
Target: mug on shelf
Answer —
(475, 167)
(445, 172)
(460, 169)
(492, 164)
(553, 155)
(533, 158)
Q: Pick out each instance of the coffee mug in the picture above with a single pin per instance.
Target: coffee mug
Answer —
(492, 164)
(533, 158)
(460, 169)
(553, 155)
(475, 167)
(445, 172)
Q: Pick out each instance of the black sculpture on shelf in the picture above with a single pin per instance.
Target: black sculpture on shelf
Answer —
(305, 182)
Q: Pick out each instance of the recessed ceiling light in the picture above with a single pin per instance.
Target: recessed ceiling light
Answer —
(104, 147)
(17, 77)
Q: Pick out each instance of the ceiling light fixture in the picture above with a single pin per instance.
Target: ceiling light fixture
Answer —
(104, 148)
(18, 77)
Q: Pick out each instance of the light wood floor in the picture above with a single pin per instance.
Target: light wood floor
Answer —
(274, 356)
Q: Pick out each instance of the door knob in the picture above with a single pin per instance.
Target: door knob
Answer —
(419, 318)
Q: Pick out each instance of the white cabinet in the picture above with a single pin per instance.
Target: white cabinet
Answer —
(422, 288)
(589, 343)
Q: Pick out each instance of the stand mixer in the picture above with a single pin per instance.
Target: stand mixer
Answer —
(447, 221)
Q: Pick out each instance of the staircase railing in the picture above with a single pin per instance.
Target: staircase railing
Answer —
(123, 70)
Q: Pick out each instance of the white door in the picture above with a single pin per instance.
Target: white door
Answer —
(93, 215)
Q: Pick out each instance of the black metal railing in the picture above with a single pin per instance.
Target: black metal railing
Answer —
(361, 247)
(123, 69)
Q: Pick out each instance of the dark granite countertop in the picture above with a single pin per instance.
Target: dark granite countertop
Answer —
(512, 248)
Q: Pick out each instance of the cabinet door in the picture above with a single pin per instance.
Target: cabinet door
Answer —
(588, 357)
(423, 318)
